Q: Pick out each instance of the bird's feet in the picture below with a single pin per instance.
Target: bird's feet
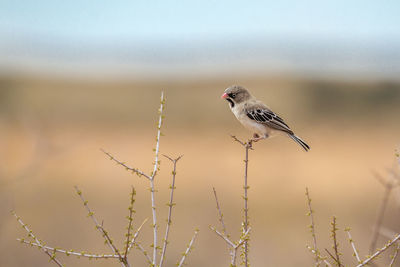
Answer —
(257, 137)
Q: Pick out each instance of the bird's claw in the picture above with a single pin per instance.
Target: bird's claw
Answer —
(249, 143)
(257, 137)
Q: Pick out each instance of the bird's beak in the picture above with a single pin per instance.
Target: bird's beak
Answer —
(224, 96)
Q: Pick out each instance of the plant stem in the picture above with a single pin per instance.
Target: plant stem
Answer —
(248, 146)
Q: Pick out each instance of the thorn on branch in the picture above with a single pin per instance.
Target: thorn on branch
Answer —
(312, 229)
(335, 242)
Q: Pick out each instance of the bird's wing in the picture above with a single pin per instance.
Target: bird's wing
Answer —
(262, 114)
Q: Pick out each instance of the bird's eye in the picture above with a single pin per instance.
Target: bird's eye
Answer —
(233, 95)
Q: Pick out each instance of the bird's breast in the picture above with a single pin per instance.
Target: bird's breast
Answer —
(236, 111)
(252, 125)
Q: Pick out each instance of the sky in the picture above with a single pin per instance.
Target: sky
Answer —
(98, 20)
(69, 27)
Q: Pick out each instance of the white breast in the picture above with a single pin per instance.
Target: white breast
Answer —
(261, 129)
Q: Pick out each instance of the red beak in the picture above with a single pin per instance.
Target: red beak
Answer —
(224, 96)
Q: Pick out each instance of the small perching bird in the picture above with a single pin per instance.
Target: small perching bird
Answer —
(256, 116)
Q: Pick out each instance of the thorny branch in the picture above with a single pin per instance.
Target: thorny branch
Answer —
(135, 236)
(130, 220)
(220, 214)
(146, 255)
(130, 238)
(52, 256)
(361, 263)
(333, 257)
(153, 174)
(133, 170)
(247, 145)
(312, 229)
(234, 246)
(323, 259)
(150, 177)
(70, 252)
(243, 242)
(101, 229)
(388, 185)
(188, 249)
(379, 251)
(394, 257)
(347, 230)
(335, 242)
(170, 206)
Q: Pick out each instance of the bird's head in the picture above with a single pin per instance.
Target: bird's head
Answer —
(236, 94)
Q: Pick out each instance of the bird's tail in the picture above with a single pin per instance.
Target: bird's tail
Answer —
(299, 141)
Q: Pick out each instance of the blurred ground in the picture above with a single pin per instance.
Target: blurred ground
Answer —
(51, 131)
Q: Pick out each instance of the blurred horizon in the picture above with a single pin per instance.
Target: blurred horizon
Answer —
(188, 60)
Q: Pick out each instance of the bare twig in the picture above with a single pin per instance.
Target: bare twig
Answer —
(312, 228)
(52, 256)
(223, 236)
(394, 257)
(323, 259)
(333, 257)
(379, 251)
(355, 254)
(188, 249)
(243, 239)
(247, 145)
(238, 140)
(157, 149)
(388, 189)
(146, 255)
(135, 236)
(111, 243)
(130, 219)
(133, 170)
(220, 214)
(154, 225)
(100, 228)
(246, 209)
(70, 252)
(170, 206)
(152, 176)
(335, 242)
(130, 237)
(234, 246)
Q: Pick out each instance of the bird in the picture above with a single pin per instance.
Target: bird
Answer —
(256, 116)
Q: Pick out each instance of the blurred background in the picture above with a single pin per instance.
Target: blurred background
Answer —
(77, 76)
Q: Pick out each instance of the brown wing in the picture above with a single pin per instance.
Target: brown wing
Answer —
(264, 115)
